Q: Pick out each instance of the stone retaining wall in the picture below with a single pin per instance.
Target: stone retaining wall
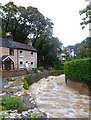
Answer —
(13, 73)
(79, 86)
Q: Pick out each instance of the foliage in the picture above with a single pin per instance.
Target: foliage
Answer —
(79, 69)
(3, 115)
(2, 33)
(11, 102)
(28, 79)
(87, 15)
(25, 94)
(41, 68)
(57, 72)
(83, 49)
(25, 85)
(47, 51)
(34, 116)
(67, 52)
(58, 65)
(23, 22)
(9, 79)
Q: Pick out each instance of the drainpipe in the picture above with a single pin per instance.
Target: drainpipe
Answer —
(17, 60)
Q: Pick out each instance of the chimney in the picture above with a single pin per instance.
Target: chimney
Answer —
(30, 43)
(9, 36)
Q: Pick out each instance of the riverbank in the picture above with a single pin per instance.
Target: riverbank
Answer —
(28, 109)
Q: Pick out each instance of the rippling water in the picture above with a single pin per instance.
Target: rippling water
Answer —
(58, 100)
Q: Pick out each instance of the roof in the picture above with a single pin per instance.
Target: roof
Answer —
(6, 42)
(5, 57)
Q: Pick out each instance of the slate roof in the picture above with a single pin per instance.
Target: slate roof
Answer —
(4, 56)
(6, 42)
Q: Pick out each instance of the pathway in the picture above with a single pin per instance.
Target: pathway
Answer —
(55, 98)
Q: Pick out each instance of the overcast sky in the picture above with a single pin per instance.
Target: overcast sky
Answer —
(65, 16)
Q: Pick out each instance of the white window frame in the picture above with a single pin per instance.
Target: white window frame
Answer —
(32, 65)
(21, 53)
(21, 66)
(32, 54)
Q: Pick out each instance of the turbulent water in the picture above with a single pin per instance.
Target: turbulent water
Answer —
(55, 98)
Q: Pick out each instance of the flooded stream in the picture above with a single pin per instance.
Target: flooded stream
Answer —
(57, 100)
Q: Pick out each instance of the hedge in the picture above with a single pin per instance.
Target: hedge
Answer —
(78, 70)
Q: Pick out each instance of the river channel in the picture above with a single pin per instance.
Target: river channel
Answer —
(57, 100)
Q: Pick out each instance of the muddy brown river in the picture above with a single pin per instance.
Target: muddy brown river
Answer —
(57, 100)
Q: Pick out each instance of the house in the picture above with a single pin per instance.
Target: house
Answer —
(62, 57)
(15, 55)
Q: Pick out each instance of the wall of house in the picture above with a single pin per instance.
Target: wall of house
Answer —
(15, 58)
(0, 57)
(26, 57)
(5, 51)
(34, 59)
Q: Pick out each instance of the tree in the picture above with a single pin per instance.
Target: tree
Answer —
(47, 51)
(83, 49)
(23, 22)
(29, 23)
(87, 15)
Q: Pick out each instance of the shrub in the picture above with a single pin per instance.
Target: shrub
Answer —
(56, 72)
(40, 68)
(11, 102)
(3, 115)
(34, 115)
(25, 94)
(58, 65)
(9, 79)
(25, 86)
(28, 79)
(79, 69)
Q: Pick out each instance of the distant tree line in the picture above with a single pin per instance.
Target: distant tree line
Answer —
(83, 49)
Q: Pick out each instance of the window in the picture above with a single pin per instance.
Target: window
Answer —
(31, 63)
(21, 64)
(11, 51)
(21, 53)
(31, 54)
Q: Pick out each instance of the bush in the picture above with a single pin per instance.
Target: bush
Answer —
(58, 65)
(11, 102)
(40, 68)
(9, 79)
(28, 79)
(79, 70)
(56, 72)
(25, 86)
